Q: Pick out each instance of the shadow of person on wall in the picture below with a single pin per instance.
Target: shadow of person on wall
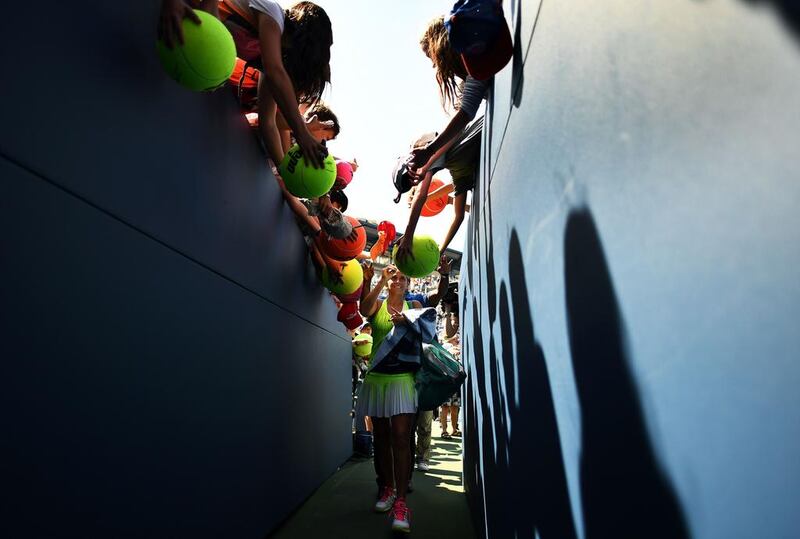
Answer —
(536, 466)
(523, 480)
(623, 489)
(517, 66)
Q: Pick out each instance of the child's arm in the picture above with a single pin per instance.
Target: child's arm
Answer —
(281, 92)
(459, 205)
(423, 156)
(298, 207)
(404, 247)
(444, 281)
(369, 272)
(421, 171)
(441, 192)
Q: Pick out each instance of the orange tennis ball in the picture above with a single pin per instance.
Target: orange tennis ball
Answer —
(345, 248)
(434, 207)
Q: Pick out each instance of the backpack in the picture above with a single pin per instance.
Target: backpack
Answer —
(477, 29)
(473, 25)
(245, 79)
(440, 376)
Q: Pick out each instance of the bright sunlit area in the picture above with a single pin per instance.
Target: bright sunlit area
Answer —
(383, 89)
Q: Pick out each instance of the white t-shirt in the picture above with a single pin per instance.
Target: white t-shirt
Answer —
(270, 7)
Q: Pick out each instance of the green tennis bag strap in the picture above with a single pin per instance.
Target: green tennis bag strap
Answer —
(440, 376)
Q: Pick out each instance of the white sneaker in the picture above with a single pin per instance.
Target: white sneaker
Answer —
(386, 501)
(423, 466)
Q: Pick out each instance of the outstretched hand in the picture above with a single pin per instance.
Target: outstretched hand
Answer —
(444, 265)
(170, 23)
(335, 274)
(418, 166)
(404, 248)
(368, 270)
(420, 156)
(314, 152)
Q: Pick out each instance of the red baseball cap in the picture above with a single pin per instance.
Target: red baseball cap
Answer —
(485, 65)
(349, 316)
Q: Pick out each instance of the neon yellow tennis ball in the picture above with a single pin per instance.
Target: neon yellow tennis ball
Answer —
(303, 180)
(206, 58)
(363, 350)
(352, 277)
(426, 257)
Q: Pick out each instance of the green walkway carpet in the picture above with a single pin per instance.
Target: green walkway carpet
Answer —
(342, 506)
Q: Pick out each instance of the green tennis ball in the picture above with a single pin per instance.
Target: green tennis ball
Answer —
(352, 277)
(363, 350)
(303, 180)
(426, 257)
(206, 58)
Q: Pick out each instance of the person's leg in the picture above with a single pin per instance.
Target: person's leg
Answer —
(444, 412)
(424, 436)
(368, 423)
(459, 205)
(382, 445)
(454, 418)
(401, 451)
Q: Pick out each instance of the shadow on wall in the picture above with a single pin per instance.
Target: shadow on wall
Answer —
(522, 466)
(536, 467)
(517, 67)
(623, 491)
(789, 10)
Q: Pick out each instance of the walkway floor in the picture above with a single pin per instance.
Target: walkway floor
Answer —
(342, 506)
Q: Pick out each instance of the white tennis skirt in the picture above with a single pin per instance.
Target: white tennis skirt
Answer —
(385, 395)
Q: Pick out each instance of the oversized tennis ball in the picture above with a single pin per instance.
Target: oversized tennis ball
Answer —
(206, 58)
(434, 207)
(345, 248)
(426, 257)
(303, 180)
(362, 350)
(352, 277)
(344, 174)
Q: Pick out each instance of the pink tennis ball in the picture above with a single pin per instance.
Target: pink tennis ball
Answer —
(344, 174)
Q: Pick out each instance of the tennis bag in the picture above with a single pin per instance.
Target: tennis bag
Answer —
(440, 376)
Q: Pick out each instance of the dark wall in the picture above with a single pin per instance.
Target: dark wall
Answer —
(630, 275)
(170, 366)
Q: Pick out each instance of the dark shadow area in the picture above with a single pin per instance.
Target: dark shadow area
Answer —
(491, 275)
(473, 426)
(535, 474)
(623, 489)
(524, 469)
(789, 11)
(517, 61)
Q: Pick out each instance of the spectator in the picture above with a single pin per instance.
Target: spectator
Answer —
(290, 47)
(452, 406)
(457, 148)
